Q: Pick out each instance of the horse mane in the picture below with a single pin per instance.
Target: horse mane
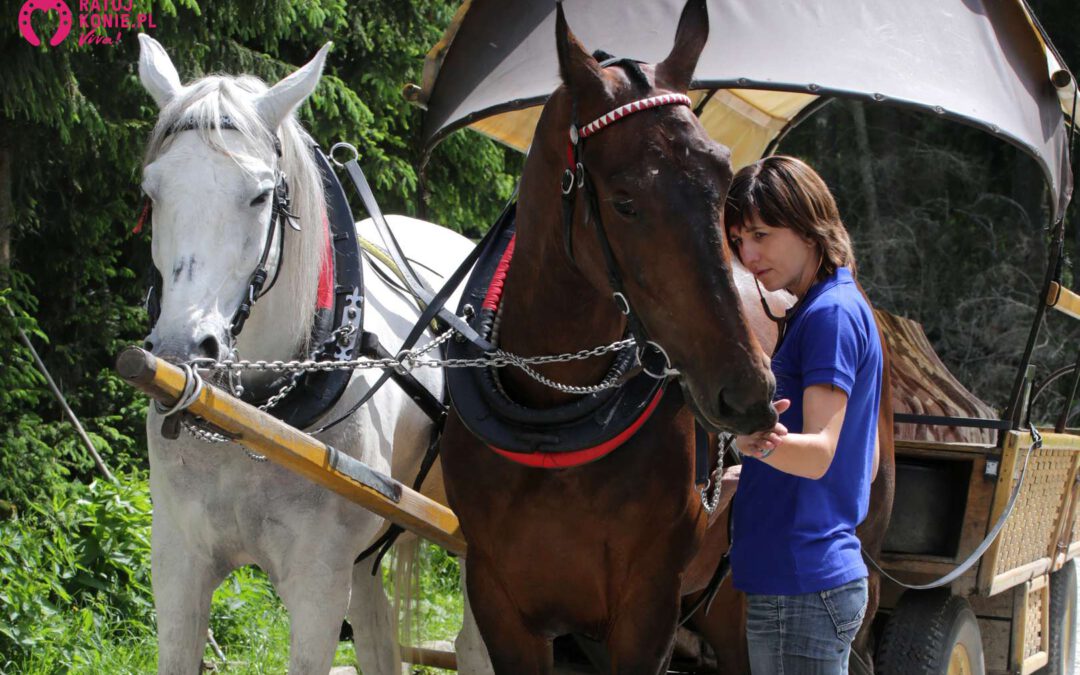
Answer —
(200, 107)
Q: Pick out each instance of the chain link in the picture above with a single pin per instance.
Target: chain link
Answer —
(412, 359)
(710, 502)
(406, 360)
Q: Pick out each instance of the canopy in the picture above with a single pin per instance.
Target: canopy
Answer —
(987, 63)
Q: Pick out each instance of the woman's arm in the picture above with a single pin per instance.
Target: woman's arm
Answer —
(808, 454)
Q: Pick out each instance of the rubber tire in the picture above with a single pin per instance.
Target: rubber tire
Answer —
(923, 630)
(1062, 621)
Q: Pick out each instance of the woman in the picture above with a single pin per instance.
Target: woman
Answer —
(807, 484)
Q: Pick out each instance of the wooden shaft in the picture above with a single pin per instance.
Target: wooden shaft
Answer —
(422, 656)
(1063, 300)
(296, 451)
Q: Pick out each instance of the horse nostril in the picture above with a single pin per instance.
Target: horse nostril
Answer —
(725, 409)
(148, 345)
(210, 348)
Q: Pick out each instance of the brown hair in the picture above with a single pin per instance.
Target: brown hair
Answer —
(785, 192)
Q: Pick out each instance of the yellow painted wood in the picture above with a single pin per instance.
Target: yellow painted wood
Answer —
(1063, 300)
(293, 449)
(1001, 497)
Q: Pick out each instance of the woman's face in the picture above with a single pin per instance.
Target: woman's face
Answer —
(778, 257)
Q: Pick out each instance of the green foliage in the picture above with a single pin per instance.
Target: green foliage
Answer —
(75, 119)
(75, 573)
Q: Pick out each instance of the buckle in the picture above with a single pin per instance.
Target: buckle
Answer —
(568, 181)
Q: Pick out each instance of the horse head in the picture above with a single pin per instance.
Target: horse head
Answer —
(224, 158)
(658, 184)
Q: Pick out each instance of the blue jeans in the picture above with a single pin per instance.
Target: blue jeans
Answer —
(807, 634)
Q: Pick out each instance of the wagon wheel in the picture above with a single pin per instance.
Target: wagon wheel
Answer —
(931, 633)
(1062, 621)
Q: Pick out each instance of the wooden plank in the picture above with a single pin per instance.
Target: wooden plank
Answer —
(1066, 517)
(903, 445)
(1019, 575)
(1063, 300)
(1002, 489)
(1034, 662)
(1016, 644)
(298, 452)
(424, 656)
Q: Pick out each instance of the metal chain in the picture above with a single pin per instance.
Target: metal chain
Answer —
(711, 502)
(411, 359)
(407, 360)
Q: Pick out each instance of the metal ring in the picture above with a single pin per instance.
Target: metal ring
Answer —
(667, 372)
(348, 146)
(624, 306)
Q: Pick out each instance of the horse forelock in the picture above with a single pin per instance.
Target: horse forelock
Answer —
(200, 109)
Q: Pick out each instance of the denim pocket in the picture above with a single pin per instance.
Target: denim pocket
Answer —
(846, 605)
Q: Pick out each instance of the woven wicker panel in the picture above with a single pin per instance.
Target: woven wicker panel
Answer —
(1033, 623)
(1032, 525)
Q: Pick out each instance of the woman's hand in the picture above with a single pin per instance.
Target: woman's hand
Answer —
(761, 444)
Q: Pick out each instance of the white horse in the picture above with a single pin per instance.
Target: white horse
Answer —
(212, 188)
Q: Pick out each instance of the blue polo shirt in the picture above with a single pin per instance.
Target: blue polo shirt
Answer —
(795, 535)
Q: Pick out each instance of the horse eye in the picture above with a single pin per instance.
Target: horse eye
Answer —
(625, 207)
(261, 199)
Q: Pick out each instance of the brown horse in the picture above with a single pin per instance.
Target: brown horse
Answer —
(600, 549)
(724, 627)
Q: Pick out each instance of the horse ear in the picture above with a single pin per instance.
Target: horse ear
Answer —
(276, 104)
(677, 70)
(579, 70)
(156, 71)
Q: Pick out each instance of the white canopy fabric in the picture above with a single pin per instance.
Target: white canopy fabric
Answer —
(982, 62)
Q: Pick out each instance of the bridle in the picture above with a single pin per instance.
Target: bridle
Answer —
(654, 360)
(275, 232)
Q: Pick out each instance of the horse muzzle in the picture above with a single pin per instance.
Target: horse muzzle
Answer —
(203, 345)
(741, 408)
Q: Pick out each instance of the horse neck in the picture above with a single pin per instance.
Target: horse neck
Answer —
(548, 305)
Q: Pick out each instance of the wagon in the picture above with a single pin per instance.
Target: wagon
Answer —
(986, 501)
(961, 466)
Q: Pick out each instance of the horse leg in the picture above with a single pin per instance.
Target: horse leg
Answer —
(316, 597)
(724, 628)
(641, 638)
(183, 586)
(472, 654)
(372, 622)
(514, 649)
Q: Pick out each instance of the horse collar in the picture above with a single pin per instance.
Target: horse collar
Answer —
(567, 435)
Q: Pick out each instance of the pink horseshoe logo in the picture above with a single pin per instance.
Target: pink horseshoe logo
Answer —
(31, 6)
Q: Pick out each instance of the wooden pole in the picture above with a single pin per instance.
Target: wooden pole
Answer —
(296, 451)
(98, 461)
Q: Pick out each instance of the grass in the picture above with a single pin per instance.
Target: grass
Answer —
(75, 596)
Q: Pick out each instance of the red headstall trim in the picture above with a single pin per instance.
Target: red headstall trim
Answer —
(565, 460)
(326, 272)
(142, 217)
(633, 107)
